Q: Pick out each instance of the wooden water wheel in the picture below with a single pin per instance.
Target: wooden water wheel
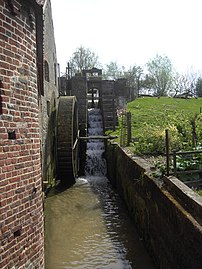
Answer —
(67, 140)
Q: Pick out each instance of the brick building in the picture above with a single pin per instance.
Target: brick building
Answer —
(49, 99)
(21, 88)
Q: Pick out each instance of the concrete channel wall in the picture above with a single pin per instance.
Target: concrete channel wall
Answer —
(166, 212)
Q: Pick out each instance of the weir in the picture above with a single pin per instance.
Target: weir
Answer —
(87, 225)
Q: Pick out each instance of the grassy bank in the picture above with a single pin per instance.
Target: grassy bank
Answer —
(161, 112)
(151, 116)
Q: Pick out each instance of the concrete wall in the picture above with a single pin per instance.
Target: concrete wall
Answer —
(49, 101)
(162, 210)
(21, 206)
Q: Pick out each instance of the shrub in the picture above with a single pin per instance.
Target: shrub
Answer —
(152, 140)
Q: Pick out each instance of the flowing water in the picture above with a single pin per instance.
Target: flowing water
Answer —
(87, 226)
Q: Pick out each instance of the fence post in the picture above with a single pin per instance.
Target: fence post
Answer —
(174, 162)
(167, 152)
(129, 128)
(122, 130)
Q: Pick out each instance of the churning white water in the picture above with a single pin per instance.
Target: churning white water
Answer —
(95, 162)
(87, 226)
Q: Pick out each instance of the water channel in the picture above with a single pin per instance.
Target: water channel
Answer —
(87, 225)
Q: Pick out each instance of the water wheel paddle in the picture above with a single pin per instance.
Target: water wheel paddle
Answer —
(67, 140)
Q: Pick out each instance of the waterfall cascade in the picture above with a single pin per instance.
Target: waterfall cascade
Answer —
(95, 163)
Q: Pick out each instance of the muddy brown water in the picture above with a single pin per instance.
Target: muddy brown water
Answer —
(88, 226)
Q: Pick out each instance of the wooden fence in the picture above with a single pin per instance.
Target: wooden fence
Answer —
(176, 172)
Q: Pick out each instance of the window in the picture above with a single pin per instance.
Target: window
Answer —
(48, 108)
(46, 69)
(55, 73)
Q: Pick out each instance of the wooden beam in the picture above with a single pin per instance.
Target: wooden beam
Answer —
(98, 137)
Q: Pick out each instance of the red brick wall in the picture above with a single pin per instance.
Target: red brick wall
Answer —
(21, 205)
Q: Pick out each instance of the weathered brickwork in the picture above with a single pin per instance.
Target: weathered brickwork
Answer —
(49, 101)
(21, 206)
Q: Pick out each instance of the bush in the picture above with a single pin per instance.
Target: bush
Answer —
(152, 140)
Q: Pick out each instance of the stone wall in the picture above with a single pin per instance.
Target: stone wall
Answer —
(162, 211)
(49, 100)
(21, 205)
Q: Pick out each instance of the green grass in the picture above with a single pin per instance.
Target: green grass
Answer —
(151, 116)
(199, 192)
(161, 112)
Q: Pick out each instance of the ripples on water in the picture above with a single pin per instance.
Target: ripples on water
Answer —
(87, 226)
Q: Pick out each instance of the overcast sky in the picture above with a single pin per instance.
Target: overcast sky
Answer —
(130, 31)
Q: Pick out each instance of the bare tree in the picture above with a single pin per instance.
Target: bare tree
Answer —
(177, 84)
(83, 58)
(192, 77)
(134, 81)
(113, 71)
(199, 87)
(184, 84)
